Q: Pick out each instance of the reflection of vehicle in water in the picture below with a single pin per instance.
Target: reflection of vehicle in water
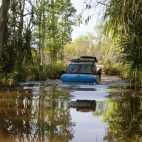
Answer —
(82, 70)
(84, 105)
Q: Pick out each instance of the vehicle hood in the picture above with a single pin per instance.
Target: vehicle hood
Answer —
(78, 78)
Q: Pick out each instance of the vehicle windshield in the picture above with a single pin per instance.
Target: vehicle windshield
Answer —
(81, 69)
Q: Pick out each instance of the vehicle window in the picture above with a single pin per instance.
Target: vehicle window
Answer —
(81, 68)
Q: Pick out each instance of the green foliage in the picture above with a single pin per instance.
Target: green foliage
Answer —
(28, 72)
(55, 71)
(99, 45)
(31, 72)
(124, 21)
(60, 17)
(8, 79)
(111, 68)
(36, 32)
(131, 59)
(83, 45)
(124, 71)
(135, 138)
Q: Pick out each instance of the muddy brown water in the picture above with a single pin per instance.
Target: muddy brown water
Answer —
(54, 112)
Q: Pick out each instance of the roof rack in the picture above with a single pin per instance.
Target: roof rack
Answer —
(85, 59)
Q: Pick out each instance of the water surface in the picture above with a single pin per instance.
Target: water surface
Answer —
(45, 113)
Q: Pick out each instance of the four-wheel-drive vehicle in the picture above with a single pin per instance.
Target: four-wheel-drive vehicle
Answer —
(82, 70)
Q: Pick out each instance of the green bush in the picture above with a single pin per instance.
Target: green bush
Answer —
(7, 79)
(111, 68)
(55, 71)
(30, 72)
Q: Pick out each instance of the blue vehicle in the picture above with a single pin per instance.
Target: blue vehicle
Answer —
(82, 70)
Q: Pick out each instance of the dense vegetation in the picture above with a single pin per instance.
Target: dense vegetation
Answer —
(123, 19)
(36, 44)
(33, 39)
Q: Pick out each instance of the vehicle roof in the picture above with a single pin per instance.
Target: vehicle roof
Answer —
(82, 63)
(83, 59)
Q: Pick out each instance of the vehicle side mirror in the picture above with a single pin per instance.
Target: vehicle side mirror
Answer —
(99, 71)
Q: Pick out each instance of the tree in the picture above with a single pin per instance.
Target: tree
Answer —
(81, 46)
(3, 21)
(60, 19)
(33, 26)
(17, 41)
(124, 20)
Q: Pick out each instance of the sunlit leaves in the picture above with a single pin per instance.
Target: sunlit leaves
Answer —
(124, 20)
(59, 23)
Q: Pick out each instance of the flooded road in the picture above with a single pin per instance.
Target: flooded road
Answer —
(54, 112)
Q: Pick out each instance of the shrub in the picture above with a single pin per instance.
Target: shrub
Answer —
(55, 71)
(111, 68)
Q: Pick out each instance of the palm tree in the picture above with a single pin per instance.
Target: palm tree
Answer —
(124, 20)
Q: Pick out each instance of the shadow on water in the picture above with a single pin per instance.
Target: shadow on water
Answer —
(71, 113)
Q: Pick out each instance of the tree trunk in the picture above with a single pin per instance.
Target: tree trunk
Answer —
(3, 21)
(20, 30)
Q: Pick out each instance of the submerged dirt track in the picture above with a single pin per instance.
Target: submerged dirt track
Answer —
(108, 79)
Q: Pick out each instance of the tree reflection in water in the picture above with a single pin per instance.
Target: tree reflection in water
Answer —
(36, 115)
(124, 117)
